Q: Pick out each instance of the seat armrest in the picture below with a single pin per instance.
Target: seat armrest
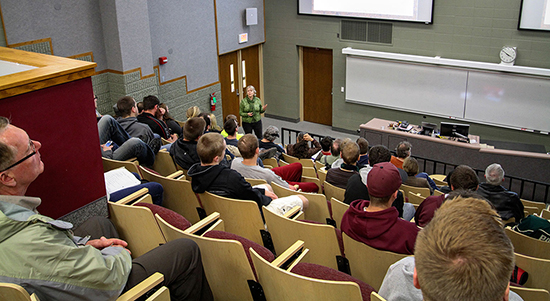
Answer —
(142, 287)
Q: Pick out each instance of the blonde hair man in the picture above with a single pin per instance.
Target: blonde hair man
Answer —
(464, 256)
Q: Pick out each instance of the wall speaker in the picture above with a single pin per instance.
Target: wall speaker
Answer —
(251, 16)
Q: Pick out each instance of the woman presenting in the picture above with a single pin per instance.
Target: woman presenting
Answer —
(250, 110)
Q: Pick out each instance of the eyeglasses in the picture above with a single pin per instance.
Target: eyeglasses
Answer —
(33, 147)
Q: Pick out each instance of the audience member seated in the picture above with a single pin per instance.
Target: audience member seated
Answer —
(184, 150)
(214, 127)
(357, 184)
(126, 147)
(403, 150)
(172, 124)
(301, 149)
(128, 111)
(334, 153)
(325, 142)
(410, 166)
(231, 116)
(150, 107)
(267, 142)
(206, 118)
(463, 177)
(231, 127)
(363, 151)
(507, 203)
(375, 222)
(44, 257)
(97, 114)
(463, 254)
(192, 112)
(287, 176)
(209, 175)
(339, 176)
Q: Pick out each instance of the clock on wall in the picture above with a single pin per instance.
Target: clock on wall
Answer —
(508, 55)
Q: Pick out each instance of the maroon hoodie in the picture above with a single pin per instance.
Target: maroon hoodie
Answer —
(383, 230)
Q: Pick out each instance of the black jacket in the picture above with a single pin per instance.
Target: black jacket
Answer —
(225, 182)
(506, 202)
(157, 126)
(184, 153)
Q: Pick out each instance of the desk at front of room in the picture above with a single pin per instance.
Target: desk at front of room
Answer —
(533, 166)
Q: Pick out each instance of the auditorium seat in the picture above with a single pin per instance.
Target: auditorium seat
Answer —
(178, 194)
(14, 292)
(531, 293)
(320, 239)
(164, 164)
(415, 198)
(318, 207)
(529, 246)
(280, 284)
(425, 192)
(131, 165)
(539, 205)
(225, 257)
(241, 217)
(538, 269)
(367, 263)
(338, 210)
(332, 191)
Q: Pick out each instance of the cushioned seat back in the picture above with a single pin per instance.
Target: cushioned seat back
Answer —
(279, 284)
(246, 243)
(321, 272)
(168, 215)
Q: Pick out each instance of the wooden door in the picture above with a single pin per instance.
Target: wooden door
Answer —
(229, 81)
(317, 85)
(251, 69)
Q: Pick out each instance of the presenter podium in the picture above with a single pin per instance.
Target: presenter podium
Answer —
(528, 165)
(52, 99)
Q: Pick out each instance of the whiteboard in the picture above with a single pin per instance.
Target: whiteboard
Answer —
(508, 100)
(406, 86)
(488, 97)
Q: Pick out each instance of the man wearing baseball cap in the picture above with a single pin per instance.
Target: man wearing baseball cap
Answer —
(375, 222)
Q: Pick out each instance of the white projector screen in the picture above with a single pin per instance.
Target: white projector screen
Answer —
(399, 10)
(534, 15)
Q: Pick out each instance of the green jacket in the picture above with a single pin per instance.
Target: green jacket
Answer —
(43, 256)
(254, 106)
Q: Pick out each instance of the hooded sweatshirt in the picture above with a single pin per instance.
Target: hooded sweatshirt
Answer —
(383, 230)
(185, 153)
(225, 182)
(134, 128)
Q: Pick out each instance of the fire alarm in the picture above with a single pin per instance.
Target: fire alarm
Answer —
(163, 60)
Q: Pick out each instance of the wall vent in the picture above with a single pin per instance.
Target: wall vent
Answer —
(353, 30)
(379, 33)
(361, 31)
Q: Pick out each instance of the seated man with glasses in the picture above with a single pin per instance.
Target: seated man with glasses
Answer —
(44, 257)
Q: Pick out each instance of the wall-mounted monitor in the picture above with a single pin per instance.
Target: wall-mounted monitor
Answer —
(395, 10)
(450, 129)
(534, 15)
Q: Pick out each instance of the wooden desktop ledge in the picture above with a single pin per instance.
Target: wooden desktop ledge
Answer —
(381, 125)
(51, 71)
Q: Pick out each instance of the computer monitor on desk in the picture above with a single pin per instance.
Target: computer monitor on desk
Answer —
(450, 129)
(428, 128)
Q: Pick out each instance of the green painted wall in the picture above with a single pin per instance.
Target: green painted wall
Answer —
(472, 30)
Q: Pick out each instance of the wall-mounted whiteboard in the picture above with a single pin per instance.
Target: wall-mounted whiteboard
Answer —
(489, 97)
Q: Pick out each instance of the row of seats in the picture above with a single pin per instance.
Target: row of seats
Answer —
(319, 213)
